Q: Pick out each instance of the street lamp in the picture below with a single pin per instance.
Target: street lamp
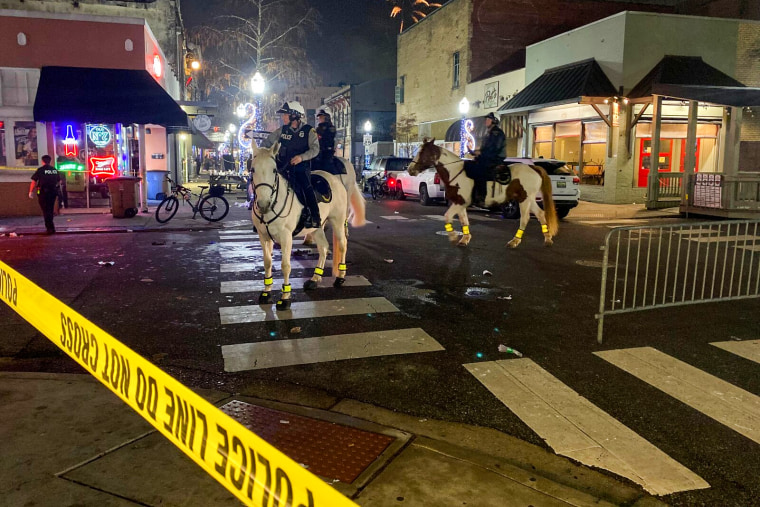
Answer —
(464, 108)
(367, 141)
(257, 87)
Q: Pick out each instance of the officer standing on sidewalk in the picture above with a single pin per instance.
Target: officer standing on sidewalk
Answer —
(47, 181)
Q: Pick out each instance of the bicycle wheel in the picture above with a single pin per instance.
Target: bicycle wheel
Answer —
(167, 209)
(374, 190)
(213, 208)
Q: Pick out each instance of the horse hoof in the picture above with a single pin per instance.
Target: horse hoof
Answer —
(310, 285)
(283, 304)
(548, 242)
(513, 243)
(265, 299)
(339, 282)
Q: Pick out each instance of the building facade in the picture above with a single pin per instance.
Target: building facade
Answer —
(101, 105)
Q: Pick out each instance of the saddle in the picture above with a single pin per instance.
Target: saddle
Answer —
(333, 166)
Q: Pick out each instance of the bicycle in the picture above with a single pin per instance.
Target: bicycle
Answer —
(212, 207)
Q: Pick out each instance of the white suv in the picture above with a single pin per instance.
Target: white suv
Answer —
(426, 186)
(566, 189)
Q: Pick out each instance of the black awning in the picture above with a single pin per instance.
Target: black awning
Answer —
(85, 95)
(201, 141)
(690, 78)
(567, 84)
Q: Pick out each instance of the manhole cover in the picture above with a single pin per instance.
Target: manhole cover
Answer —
(330, 450)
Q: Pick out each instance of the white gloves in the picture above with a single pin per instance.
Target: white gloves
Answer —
(31, 195)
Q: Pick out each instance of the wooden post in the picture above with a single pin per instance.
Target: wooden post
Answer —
(654, 157)
(142, 143)
(690, 157)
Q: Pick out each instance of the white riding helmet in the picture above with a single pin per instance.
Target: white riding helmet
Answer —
(297, 110)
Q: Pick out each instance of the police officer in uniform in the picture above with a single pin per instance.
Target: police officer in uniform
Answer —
(299, 145)
(492, 152)
(326, 134)
(47, 181)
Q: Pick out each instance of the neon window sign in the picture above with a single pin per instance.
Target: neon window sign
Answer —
(100, 135)
(103, 166)
(157, 68)
(70, 144)
(71, 166)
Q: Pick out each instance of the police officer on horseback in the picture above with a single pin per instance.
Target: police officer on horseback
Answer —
(491, 153)
(326, 134)
(299, 145)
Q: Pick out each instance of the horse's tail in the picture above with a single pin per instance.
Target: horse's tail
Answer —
(358, 214)
(549, 210)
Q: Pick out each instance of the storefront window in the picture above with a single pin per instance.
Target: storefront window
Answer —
(594, 153)
(568, 143)
(25, 141)
(673, 149)
(542, 141)
(3, 158)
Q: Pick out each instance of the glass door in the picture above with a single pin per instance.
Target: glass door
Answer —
(645, 156)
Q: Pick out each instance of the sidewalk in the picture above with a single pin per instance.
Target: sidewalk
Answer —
(85, 221)
(101, 219)
(72, 442)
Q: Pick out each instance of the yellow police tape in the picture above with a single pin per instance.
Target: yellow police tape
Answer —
(249, 467)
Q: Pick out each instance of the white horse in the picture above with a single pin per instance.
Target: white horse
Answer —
(527, 181)
(276, 212)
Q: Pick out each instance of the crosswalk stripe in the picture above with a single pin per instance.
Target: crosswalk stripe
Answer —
(575, 427)
(235, 232)
(749, 349)
(238, 237)
(716, 398)
(724, 239)
(305, 310)
(394, 217)
(611, 223)
(236, 267)
(259, 356)
(439, 218)
(297, 283)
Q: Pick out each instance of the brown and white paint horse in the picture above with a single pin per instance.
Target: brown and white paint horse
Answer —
(527, 181)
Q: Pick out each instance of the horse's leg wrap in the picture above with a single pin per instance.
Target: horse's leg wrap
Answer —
(517, 239)
(450, 230)
(314, 282)
(265, 298)
(341, 278)
(284, 303)
(547, 237)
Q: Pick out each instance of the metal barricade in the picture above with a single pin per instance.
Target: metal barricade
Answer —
(676, 265)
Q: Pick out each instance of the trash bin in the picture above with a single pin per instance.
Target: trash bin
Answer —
(158, 187)
(123, 190)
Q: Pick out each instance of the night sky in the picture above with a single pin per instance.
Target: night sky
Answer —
(357, 41)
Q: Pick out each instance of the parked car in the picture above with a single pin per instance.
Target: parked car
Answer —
(566, 189)
(385, 166)
(426, 186)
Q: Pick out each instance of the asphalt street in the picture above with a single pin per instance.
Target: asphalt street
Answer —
(163, 294)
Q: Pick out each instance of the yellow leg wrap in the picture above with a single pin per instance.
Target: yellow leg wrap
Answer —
(449, 228)
(342, 267)
(319, 271)
(519, 233)
(286, 289)
(268, 281)
(465, 229)
(544, 228)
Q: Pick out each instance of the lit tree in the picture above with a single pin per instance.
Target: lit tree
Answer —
(268, 36)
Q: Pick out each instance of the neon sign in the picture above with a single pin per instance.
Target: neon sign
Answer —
(70, 142)
(157, 68)
(102, 166)
(70, 166)
(100, 135)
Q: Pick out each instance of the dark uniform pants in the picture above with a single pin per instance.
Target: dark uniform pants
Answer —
(47, 204)
(302, 178)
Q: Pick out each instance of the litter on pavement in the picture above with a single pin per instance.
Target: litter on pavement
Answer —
(510, 350)
(106, 263)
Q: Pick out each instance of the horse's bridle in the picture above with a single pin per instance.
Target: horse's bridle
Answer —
(275, 192)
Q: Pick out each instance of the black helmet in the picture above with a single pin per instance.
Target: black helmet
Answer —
(294, 109)
(492, 117)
